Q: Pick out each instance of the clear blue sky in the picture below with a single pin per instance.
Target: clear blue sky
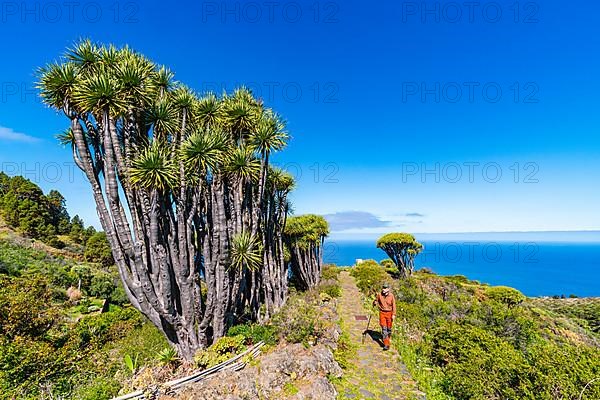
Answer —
(401, 117)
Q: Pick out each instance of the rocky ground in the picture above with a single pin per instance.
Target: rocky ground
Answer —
(287, 372)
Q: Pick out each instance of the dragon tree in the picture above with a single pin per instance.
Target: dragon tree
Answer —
(304, 236)
(402, 248)
(183, 187)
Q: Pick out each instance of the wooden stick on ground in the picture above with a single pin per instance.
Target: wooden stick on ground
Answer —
(366, 330)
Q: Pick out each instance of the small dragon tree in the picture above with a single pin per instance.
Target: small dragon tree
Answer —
(304, 236)
(402, 249)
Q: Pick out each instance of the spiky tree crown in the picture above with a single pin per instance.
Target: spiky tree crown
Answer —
(308, 229)
(227, 134)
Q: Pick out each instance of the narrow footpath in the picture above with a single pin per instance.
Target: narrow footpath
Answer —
(376, 374)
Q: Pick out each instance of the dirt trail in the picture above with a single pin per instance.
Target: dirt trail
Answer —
(376, 374)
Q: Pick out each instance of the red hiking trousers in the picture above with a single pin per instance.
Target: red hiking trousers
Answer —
(385, 320)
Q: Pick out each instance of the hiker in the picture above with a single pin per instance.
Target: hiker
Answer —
(387, 312)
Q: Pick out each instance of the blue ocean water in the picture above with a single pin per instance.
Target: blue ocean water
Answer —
(537, 268)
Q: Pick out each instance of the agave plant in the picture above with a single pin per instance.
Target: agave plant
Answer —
(167, 356)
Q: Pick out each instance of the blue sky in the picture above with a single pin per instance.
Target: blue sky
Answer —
(415, 116)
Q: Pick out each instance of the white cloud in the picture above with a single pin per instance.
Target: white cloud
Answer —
(346, 220)
(366, 222)
(13, 136)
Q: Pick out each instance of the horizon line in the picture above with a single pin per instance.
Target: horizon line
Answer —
(446, 233)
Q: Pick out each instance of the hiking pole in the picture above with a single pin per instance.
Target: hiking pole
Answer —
(366, 330)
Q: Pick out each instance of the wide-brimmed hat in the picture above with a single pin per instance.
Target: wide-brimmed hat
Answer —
(386, 285)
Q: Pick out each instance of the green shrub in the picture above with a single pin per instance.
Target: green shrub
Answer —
(476, 364)
(506, 295)
(330, 281)
(167, 356)
(102, 285)
(481, 346)
(458, 279)
(585, 312)
(289, 389)
(394, 272)
(345, 352)
(41, 348)
(388, 263)
(144, 339)
(369, 277)
(118, 295)
(15, 259)
(300, 320)
(562, 371)
(330, 272)
(512, 324)
(254, 333)
(96, 330)
(222, 350)
(99, 389)
(26, 307)
(98, 250)
(332, 290)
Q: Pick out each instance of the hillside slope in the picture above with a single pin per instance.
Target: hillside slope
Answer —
(54, 341)
(465, 340)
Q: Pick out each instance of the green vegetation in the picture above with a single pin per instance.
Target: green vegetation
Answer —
(58, 338)
(301, 320)
(329, 283)
(54, 341)
(345, 352)
(369, 277)
(289, 389)
(168, 356)
(44, 353)
(98, 250)
(304, 319)
(24, 207)
(222, 350)
(507, 295)
(585, 311)
(254, 333)
(464, 340)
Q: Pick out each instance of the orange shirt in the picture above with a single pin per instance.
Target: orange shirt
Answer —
(386, 303)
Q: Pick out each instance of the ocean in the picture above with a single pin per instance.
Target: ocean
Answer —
(537, 266)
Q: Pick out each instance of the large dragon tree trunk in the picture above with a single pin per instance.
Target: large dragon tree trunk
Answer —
(157, 278)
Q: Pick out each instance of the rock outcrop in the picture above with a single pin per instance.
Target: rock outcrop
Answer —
(287, 372)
